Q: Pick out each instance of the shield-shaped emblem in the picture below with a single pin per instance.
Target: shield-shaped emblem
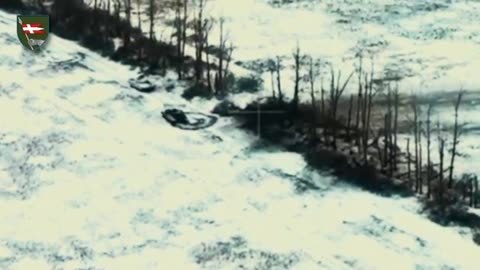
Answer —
(32, 30)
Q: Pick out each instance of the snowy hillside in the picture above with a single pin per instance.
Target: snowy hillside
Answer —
(92, 177)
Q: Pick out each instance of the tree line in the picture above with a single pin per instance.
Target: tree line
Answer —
(370, 121)
(97, 23)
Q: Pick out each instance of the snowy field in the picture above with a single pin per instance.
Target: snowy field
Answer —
(92, 177)
(432, 44)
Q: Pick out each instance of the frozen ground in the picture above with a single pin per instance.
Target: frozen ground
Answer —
(92, 177)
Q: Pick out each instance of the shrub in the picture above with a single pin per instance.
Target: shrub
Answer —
(197, 90)
(12, 4)
(248, 84)
(104, 46)
(476, 236)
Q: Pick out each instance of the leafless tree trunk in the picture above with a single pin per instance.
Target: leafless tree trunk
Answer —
(456, 133)
(429, 160)
(336, 92)
(279, 81)
(139, 13)
(322, 97)
(420, 163)
(117, 6)
(388, 138)
(179, 37)
(209, 68)
(386, 135)
(311, 79)
(364, 113)
(472, 191)
(296, 58)
(228, 59)
(151, 17)
(476, 194)
(359, 103)
(369, 94)
(415, 131)
(222, 46)
(184, 27)
(441, 154)
(409, 162)
(200, 26)
(128, 9)
(349, 117)
(272, 82)
(395, 127)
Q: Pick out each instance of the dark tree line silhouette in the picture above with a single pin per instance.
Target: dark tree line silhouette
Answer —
(364, 127)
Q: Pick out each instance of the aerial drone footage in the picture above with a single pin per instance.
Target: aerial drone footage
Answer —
(228, 134)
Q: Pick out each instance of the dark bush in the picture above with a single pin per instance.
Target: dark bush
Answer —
(12, 4)
(476, 236)
(197, 90)
(248, 84)
(104, 46)
(225, 108)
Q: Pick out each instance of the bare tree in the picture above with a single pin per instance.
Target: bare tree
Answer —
(278, 67)
(388, 133)
(296, 58)
(476, 194)
(221, 57)
(336, 92)
(312, 75)
(359, 100)
(209, 66)
(455, 141)
(200, 36)
(441, 154)
(415, 108)
(429, 160)
(184, 26)
(152, 9)
(322, 98)
(272, 70)
(127, 4)
(409, 163)
(228, 59)
(178, 23)
(117, 5)
(349, 116)
(420, 163)
(367, 111)
(139, 13)
(395, 126)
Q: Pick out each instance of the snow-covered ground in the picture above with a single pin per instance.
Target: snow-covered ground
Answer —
(92, 177)
(432, 44)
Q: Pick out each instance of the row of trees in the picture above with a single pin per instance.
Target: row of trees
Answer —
(103, 20)
(370, 120)
(205, 71)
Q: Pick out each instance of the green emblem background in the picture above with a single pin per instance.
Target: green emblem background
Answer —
(43, 19)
